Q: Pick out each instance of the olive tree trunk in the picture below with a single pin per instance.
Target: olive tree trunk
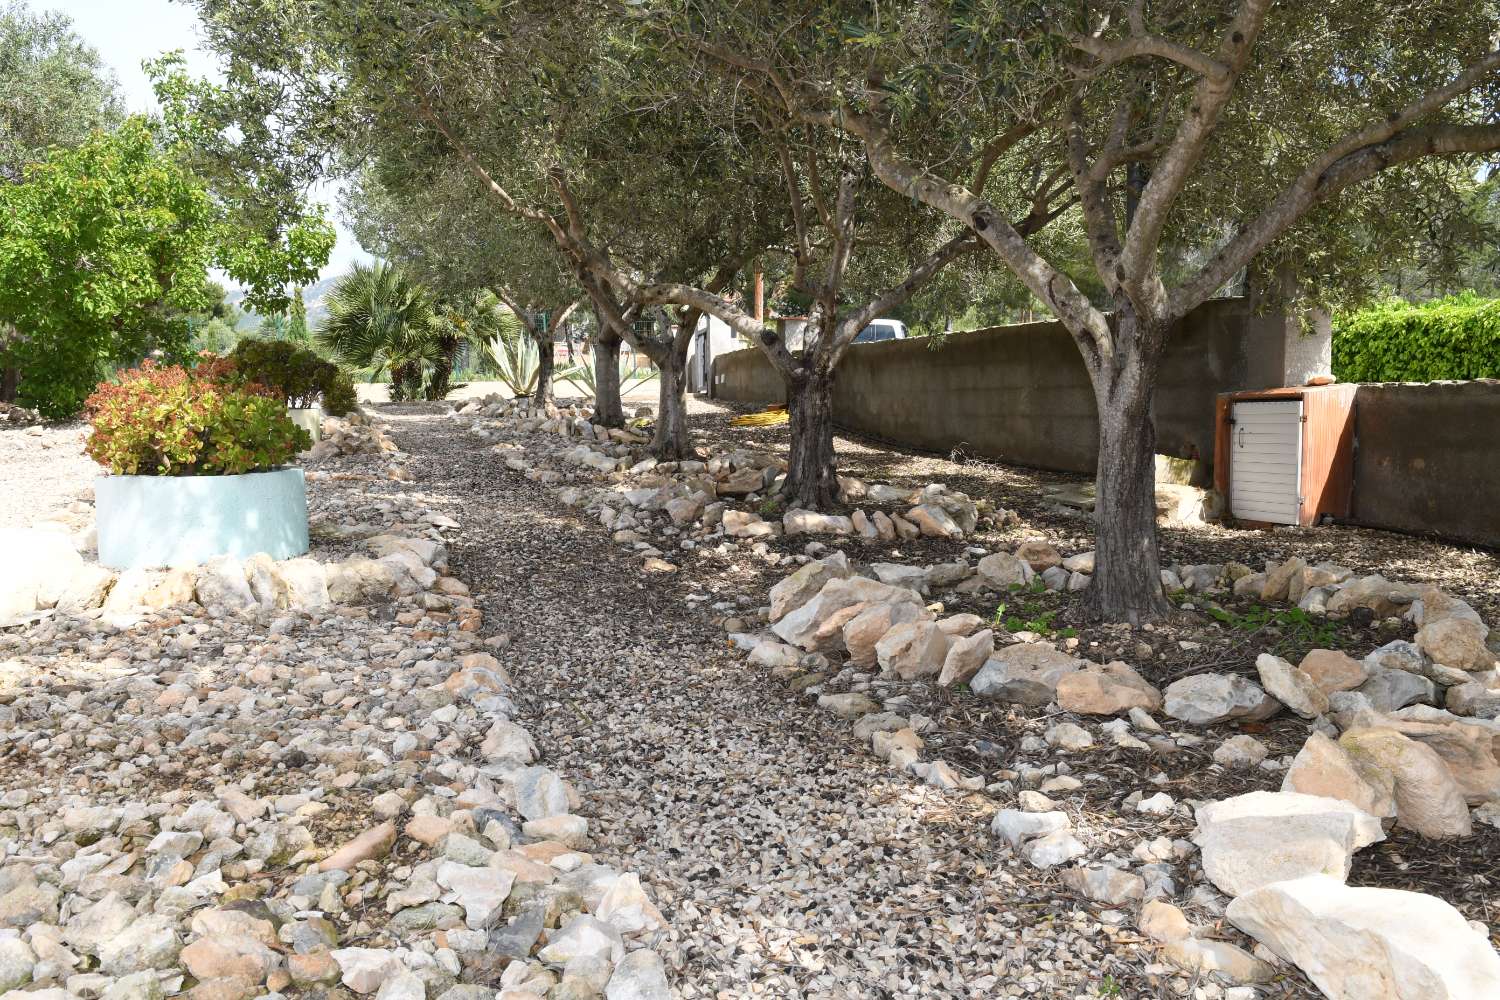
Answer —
(812, 481)
(543, 395)
(607, 409)
(670, 442)
(1126, 585)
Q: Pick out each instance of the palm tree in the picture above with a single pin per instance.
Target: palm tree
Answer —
(384, 325)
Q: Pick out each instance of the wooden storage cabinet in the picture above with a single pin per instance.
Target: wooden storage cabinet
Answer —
(1285, 456)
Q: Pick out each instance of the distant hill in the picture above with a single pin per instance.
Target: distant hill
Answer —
(314, 297)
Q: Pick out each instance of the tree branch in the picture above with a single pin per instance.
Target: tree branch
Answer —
(1170, 175)
(1313, 188)
(1135, 46)
(893, 297)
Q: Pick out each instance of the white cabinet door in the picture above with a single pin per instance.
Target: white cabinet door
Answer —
(1265, 465)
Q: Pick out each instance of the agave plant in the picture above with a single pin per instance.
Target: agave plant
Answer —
(514, 356)
(382, 325)
(581, 377)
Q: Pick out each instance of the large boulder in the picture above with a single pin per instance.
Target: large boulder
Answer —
(800, 627)
(1428, 801)
(88, 589)
(1025, 672)
(1207, 699)
(1323, 767)
(1258, 838)
(803, 585)
(1110, 689)
(1370, 944)
(1384, 598)
(809, 522)
(934, 521)
(360, 581)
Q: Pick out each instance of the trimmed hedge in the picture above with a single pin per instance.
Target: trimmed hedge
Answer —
(1457, 338)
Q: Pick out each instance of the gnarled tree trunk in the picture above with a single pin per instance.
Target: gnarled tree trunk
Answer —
(812, 481)
(671, 443)
(543, 396)
(607, 409)
(1126, 585)
(10, 381)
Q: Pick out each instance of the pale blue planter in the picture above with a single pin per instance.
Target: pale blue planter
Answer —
(149, 522)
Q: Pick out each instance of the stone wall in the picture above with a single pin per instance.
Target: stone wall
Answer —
(1021, 394)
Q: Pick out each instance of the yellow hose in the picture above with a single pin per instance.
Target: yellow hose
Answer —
(769, 417)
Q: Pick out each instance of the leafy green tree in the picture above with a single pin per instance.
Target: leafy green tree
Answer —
(54, 88)
(104, 253)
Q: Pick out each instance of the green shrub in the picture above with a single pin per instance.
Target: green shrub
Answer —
(156, 421)
(1456, 338)
(339, 398)
(298, 375)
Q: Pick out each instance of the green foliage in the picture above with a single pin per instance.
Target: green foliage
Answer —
(382, 324)
(156, 421)
(514, 357)
(54, 88)
(104, 258)
(298, 375)
(1455, 338)
(1298, 629)
(1031, 614)
(339, 398)
(583, 377)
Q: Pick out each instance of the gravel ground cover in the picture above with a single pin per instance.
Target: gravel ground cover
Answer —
(788, 861)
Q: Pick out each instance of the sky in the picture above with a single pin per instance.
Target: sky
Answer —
(128, 32)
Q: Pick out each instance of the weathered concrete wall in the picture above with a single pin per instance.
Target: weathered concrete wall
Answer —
(1427, 459)
(1021, 394)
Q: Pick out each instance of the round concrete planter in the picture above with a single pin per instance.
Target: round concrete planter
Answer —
(146, 522)
(308, 418)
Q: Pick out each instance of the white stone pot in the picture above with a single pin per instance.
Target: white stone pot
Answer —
(147, 522)
(309, 418)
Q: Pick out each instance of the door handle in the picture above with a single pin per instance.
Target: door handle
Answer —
(1240, 436)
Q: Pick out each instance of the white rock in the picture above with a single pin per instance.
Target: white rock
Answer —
(1369, 943)
(641, 976)
(1254, 839)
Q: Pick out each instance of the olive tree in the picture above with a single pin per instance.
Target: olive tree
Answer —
(1199, 139)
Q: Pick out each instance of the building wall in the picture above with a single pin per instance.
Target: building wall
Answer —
(1021, 393)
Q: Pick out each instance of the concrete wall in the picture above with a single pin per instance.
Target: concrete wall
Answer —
(1021, 394)
(1427, 459)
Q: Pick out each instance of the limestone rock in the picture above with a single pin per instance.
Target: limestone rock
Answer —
(870, 624)
(1258, 838)
(850, 705)
(1333, 670)
(374, 843)
(222, 583)
(641, 976)
(1111, 689)
(1369, 943)
(1457, 643)
(800, 626)
(807, 522)
(1039, 555)
(965, 656)
(1323, 767)
(934, 521)
(912, 650)
(1026, 673)
(802, 586)
(1207, 699)
(1002, 570)
(1290, 686)
(1428, 800)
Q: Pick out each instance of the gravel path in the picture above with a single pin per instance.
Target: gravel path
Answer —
(45, 471)
(789, 862)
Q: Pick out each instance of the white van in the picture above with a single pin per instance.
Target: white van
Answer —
(882, 329)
